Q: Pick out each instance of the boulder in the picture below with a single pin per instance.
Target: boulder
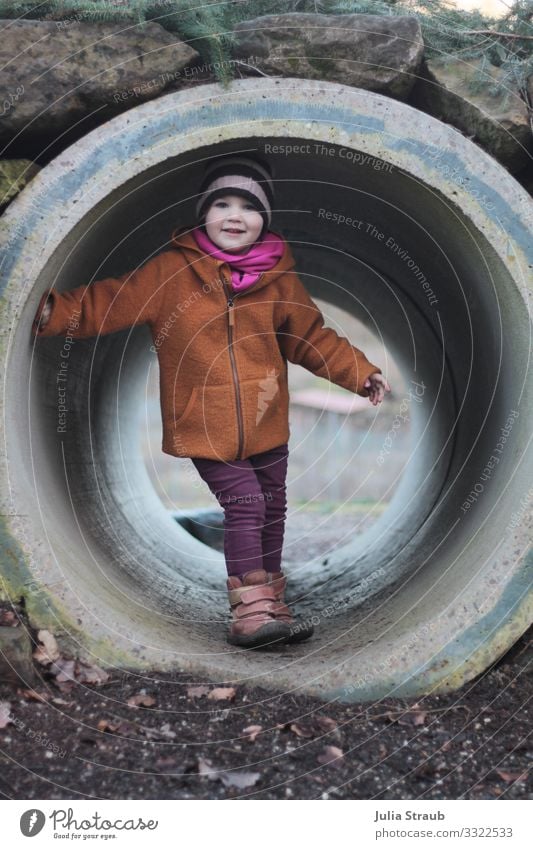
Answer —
(466, 95)
(373, 52)
(57, 74)
(14, 175)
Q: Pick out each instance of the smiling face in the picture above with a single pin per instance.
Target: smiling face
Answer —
(233, 223)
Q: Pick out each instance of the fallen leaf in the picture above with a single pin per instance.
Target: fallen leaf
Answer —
(166, 731)
(121, 727)
(89, 674)
(240, 780)
(251, 732)
(33, 695)
(63, 670)
(330, 754)
(222, 693)
(325, 723)
(205, 767)
(235, 778)
(196, 692)
(107, 725)
(141, 699)
(513, 776)
(5, 713)
(48, 651)
(300, 730)
(318, 726)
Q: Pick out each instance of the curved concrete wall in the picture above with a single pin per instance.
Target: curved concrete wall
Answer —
(439, 266)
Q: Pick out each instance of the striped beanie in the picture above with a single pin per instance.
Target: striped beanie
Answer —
(245, 176)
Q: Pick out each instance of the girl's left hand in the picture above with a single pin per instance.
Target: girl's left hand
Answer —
(377, 386)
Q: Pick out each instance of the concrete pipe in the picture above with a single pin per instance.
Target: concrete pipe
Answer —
(435, 258)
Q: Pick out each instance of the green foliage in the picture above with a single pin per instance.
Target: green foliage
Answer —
(209, 27)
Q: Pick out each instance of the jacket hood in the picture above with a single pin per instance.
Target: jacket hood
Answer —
(204, 265)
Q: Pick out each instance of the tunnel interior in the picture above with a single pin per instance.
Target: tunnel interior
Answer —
(414, 270)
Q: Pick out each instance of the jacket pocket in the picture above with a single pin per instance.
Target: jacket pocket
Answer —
(207, 427)
(188, 407)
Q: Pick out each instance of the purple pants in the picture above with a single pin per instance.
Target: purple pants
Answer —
(253, 494)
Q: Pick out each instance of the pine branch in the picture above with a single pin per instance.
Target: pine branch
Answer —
(492, 32)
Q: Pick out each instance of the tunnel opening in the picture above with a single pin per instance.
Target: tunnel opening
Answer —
(399, 608)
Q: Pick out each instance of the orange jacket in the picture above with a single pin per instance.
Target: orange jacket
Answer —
(222, 354)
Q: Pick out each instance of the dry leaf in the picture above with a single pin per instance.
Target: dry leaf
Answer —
(63, 670)
(300, 730)
(141, 699)
(33, 695)
(513, 776)
(121, 727)
(222, 693)
(240, 780)
(48, 651)
(166, 732)
(5, 713)
(330, 754)
(107, 725)
(205, 767)
(252, 731)
(236, 778)
(88, 674)
(196, 692)
(325, 723)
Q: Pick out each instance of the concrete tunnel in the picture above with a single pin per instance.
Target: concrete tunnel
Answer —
(440, 586)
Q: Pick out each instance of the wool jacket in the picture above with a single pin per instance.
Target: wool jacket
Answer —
(222, 354)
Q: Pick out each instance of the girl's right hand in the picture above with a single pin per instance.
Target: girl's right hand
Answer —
(44, 318)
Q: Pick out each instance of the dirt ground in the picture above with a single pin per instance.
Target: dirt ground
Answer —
(83, 734)
(164, 736)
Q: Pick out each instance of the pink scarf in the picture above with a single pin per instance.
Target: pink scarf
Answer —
(247, 267)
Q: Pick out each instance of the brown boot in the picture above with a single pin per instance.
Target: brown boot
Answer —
(299, 629)
(253, 605)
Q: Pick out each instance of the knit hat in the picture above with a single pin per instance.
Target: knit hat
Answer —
(248, 177)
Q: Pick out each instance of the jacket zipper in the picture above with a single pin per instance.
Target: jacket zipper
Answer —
(231, 321)
(230, 296)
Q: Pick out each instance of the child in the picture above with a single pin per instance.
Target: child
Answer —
(226, 312)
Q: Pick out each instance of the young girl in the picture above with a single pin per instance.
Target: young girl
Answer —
(226, 311)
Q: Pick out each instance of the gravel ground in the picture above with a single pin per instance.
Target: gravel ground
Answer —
(82, 734)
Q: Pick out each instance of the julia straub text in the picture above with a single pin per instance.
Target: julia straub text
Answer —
(407, 815)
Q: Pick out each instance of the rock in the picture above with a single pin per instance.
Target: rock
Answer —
(498, 122)
(373, 52)
(16, 664)
(58, 73)
(14, 175)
